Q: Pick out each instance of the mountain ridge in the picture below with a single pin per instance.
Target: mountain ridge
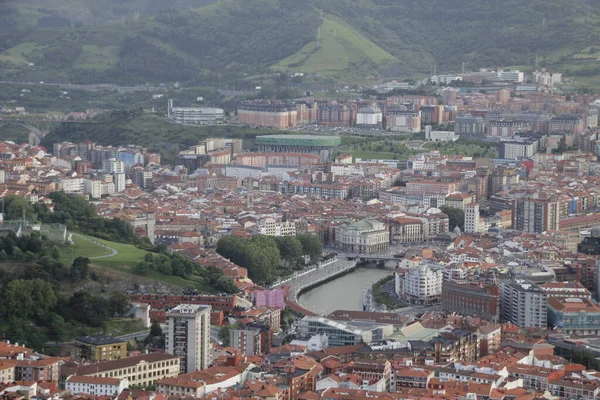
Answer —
(248, 40)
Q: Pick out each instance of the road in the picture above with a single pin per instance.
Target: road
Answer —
(135, 335)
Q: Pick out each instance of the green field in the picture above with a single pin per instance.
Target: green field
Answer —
(340, 48)
(98, 58)
(19, 53)
(81, 248)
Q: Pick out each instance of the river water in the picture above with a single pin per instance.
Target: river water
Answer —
(343, 293)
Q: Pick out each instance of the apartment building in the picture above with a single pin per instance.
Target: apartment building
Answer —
(44, 369)
(336, 115)
(247, 340)
(468, 125)
(523, 303)
(407, 230)
(473, 222)
(473, 299)
(403, 120)
(430, 187)
(268, 114)
(506, 129)
(572, 124)
(271, 227)
(188, 336)
(7, 371)
(458, 200)
(369, 116)
(517, 149)
(421, 283)
(535, 215)
(100, 348)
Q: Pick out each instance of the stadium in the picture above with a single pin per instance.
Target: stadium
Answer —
(310, 144)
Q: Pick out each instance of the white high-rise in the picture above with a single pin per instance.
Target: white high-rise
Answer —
(472, 224)
(188, 336)
(113, 166)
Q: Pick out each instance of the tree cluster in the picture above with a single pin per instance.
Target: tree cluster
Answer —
(167, 264)
(262, 254)
(177, 265)
(456, 217)
(78, 214)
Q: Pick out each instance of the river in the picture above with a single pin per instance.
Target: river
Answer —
(343, 293)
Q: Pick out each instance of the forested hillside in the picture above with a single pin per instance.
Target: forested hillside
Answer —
(236, 41)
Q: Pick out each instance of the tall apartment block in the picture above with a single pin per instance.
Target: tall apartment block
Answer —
(523, 303)
(188, 336)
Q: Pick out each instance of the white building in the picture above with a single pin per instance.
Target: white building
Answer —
(546, 78)
(515, 76)
(472, 218)
(271, 227)
(73, 185)
(113, 166)
(371, 116)
(523, 303)
(194, 115)
(420, 283)
(93, 187)
(188, 336)
(314, 343)
(96, 386)
(440, 136)
(120, 180)
(512, 149)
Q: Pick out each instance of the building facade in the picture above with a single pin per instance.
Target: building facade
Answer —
(421, 283)
(188, 336)
(100, 348)
(367, 236)
(523, 303)
(476, 300)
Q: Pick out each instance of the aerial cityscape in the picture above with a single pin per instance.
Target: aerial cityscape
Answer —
(299, 200)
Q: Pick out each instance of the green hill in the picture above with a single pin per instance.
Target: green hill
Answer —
(236, 41)
(338, 48)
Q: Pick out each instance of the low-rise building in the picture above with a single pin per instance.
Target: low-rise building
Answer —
(140, 370)
(339, 333)
(96, 386)
(574, 316)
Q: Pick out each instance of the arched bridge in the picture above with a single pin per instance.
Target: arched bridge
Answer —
(39, 135)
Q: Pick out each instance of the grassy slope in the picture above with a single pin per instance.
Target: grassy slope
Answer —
(122, 262)
(81, 248)
(340, 47)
